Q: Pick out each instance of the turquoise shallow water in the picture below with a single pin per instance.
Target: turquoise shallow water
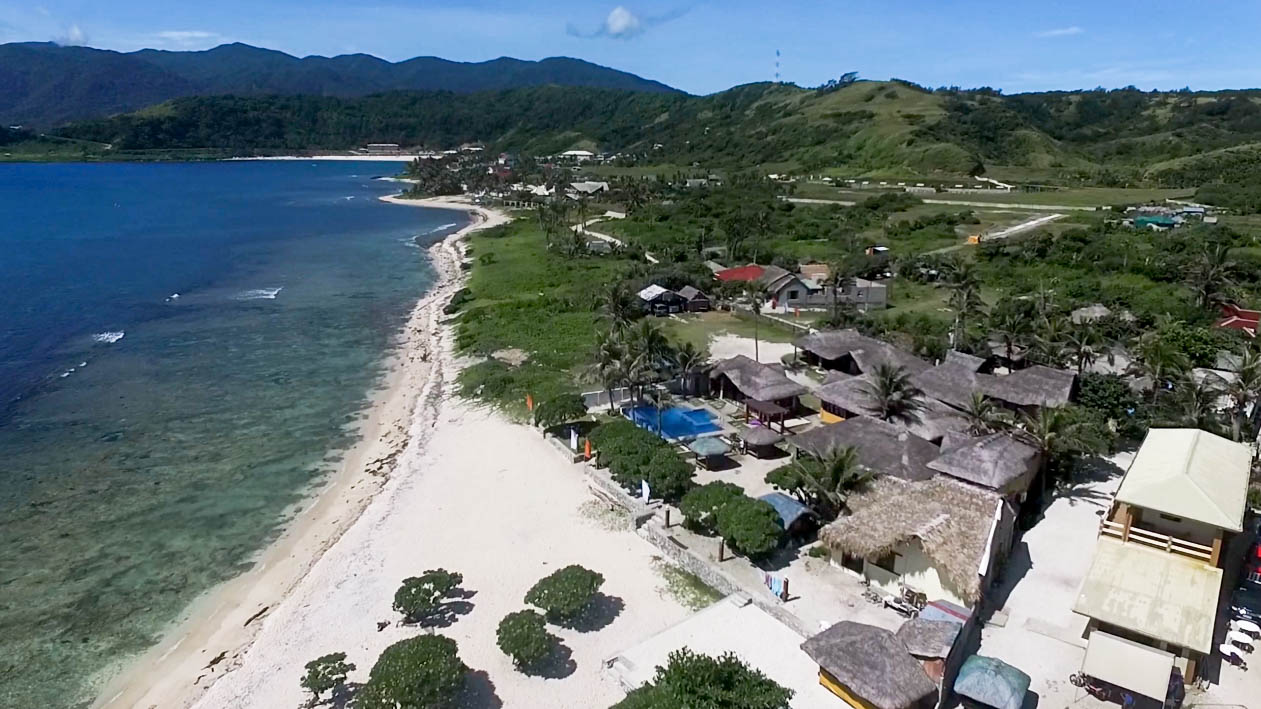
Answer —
(149, 444)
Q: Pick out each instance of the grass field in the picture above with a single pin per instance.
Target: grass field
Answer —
(700, 328)
(525, 297)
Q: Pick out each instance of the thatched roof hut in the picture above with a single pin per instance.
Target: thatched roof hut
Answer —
(755, 380)
(848, 393)
(929, 639)
(952, 381)
(760, 436)
(866, 353)
(950, 519)
(1034, 386)
(882, 447)
(998, 461)
(872, 665)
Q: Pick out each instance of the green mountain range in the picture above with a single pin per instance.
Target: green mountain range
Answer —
(44, 84)
(893, 128)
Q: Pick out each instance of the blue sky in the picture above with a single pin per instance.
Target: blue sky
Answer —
(704, 47)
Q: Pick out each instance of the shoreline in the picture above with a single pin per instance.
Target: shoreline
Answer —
(208, 639)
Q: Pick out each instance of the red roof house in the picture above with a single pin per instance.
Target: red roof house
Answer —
(1236, 318)
(752, 272)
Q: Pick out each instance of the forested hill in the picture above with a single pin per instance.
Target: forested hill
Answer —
(44, 84)
(1109, 137)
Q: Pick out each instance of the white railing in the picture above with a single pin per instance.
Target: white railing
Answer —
(1166, 542)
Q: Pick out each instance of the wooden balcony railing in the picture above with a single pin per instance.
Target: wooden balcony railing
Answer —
(1170, 544)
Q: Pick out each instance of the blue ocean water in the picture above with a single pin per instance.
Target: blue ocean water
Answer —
(149, 442)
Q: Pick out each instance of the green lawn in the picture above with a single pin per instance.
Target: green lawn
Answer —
(526, 297)
(700, 328)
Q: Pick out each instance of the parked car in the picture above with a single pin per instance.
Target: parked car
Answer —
(1246, 603)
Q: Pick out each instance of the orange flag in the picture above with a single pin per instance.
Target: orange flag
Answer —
(529, 402)
(587, 449)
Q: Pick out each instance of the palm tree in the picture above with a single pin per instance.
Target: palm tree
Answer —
(982, 415)
(1211, 276)
(841, 275)
(1084, 345)
(1158, 359)
(609, 364)
(965, 300)
(753, 298)
(662, 400)
(1196, 401)
(619, 305)
(647, 351)
(893, 396)
(1047, 346)
(1055, 433)
(687, 358)
(823, 484)
(1244, 390)
(1011, 328)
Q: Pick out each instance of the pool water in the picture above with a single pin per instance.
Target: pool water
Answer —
(677, 422)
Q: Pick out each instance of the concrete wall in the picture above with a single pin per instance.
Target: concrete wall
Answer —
(912, 568)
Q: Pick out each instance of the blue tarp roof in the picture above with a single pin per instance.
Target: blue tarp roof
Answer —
(992, 682)
(788, 509)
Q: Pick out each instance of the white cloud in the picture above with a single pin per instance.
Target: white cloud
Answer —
(1062, 32)
(73, 37)
(621, 23)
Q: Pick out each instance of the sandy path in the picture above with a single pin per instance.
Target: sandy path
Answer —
(217, 627)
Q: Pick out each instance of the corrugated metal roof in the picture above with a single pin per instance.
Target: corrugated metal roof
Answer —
(1190, 473)
(1125, 663)
(1160, 595)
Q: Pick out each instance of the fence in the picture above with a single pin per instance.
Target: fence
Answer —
(600, 399)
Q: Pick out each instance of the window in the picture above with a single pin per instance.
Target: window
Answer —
(794, 294)
(888, 562)
(853, 563)
(1170, 518)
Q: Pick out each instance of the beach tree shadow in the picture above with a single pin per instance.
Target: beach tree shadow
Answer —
(478, 692)
(558, 664)
(445, 615)
(342, 697)
(599, 613)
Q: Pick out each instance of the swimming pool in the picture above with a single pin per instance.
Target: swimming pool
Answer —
(677, 422)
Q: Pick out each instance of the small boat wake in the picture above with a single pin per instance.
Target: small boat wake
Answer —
(108, 338)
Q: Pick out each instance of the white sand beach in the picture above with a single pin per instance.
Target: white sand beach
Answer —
(434, 482)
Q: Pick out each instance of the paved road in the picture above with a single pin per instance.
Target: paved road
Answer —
(1021, 227)
(961, 203)
(584, 228)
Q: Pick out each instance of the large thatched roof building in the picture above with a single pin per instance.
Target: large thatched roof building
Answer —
(998, 461)
(853, 353)
(754, 380)
(883, 448)
(958, 376)
(939, 536)
(869, 667)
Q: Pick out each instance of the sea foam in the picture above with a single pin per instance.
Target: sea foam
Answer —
(108, 338)
(260, 294)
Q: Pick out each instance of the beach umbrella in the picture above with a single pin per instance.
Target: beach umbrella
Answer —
(709, 446)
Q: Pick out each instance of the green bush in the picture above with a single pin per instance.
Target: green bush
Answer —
(669, 475)
(421, 596)
(750, 527)
(424, 671)
(326, 673)
(701, 504)
(693, 680)
(560, 409)
(563, 595)
(523, 636)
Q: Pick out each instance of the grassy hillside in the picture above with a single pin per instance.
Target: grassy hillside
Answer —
(1118, 138)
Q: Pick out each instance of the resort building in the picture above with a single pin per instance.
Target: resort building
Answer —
(694, 300)
(1152, 590)
(852, 353)
(658, 300)
(743, 379)
(953, 381)
(881, 447)
(870, 668)
(941, 538)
